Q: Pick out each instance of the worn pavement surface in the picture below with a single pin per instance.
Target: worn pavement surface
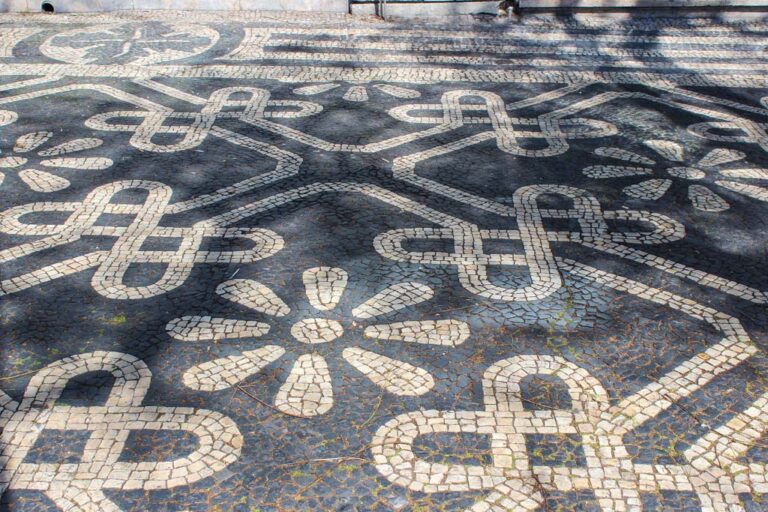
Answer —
(265, 262)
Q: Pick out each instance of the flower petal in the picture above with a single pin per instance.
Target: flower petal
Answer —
(686, 173)
(759, 193)
(42, 181)
(356, 93)
(397, 91)
(397, 377)
(197, 328)
(705, 200)
(72, 146)
(648, 189)
(254, 295)
(308, 391)
(324, 286)
(316, 330)
(30, 141)
(393, 298)
(88, 163)
(9, 162)
(310, 90)
(449, 333)
(623, 154)
(615, 171)
(721, 156)
(747, 174)
(7, 117)
(226, 372)
(666, 148)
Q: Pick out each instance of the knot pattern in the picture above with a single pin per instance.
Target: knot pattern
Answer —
(248, 104)
(506, 130)
(472, 261)
(515, 484)
(79, 486)
(737, 130)
(129, 247)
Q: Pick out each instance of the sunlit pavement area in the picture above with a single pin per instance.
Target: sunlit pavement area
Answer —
(280, 262)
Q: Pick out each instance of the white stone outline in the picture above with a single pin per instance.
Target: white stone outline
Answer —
(254, 111)
(255, 40)
(11, 37)
(300, 74)
(358, 50)
(713, 471)
(77, 56)
(259, 109)
(287, 163)
(308, 389)
(503, 130)
(79, 486)
(469, 258)
(472, 262)
(112, 265)
(453, 117)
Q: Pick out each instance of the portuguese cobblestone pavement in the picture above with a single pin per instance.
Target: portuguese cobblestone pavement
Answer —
(261, 262)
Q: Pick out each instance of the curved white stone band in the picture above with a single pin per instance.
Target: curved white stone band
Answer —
(79, 486)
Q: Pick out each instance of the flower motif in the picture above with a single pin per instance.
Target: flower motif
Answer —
(7, 117)
(701, 197)
(308, 390)
(44, 181)
(357, 90)
(138, 44)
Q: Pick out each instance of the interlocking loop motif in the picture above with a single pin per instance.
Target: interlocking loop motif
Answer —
(713, 471)
(130, 43)
(741, 130)
(113, 264)
(225, 103)
(554, 130)
(79, 486)
(472, 261)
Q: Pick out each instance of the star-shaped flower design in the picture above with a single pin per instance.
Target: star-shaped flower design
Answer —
(308, 390)
(701, 196)
(358, 90)
(23, 160)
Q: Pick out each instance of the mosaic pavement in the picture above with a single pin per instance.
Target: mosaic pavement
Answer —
(269, 263)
